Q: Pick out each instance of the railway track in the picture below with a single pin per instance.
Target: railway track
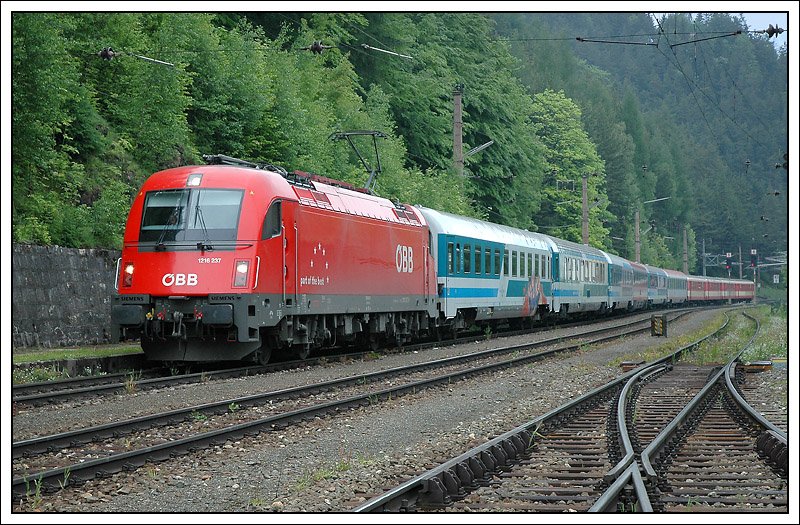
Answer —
(666, 437)
(65, 390)
(112, 447)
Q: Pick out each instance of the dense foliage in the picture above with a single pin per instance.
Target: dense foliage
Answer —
(87, 131)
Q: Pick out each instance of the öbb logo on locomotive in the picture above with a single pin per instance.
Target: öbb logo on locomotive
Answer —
(179, 279)
(404, 259)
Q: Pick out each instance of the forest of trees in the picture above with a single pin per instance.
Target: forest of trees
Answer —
(694, 112)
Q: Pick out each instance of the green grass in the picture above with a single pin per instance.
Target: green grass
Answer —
(719, 350)
(773, 293)
(773, 339)
(672, 343)
(38, 374)
(57, 354)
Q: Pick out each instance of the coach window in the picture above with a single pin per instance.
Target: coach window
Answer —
(272, 221)
(530, 265)
(497, 262)
(478, 258)
(514, 263)
(459, 264)
(505, 263)
(487, 261)
(467, 258)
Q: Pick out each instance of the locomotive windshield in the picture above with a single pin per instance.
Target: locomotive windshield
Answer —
(191, 215)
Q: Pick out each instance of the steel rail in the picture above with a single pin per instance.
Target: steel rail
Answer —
(773, 442)
(609, 500)
(63, 476)
(21, 393)
(74, 437)
(622, 425)
(27, 389)
(652, 452)
(439, 486)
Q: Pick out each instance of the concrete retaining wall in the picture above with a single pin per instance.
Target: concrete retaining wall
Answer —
(61, 296)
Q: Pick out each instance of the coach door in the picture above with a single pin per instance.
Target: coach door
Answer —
(447, 267)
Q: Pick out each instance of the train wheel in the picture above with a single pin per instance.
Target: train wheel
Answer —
(374, 342)
(302, 351)
(263, 354)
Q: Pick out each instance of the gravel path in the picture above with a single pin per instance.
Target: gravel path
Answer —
(331, 464)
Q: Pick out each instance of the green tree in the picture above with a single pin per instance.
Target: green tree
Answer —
(570, 153)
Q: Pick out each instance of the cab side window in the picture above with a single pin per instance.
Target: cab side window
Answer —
(272, 221)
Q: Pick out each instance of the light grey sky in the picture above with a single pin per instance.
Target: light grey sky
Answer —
(763, 20)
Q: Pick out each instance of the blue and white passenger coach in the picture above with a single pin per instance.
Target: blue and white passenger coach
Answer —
(580, 278)
(487, 271)
(620, 283)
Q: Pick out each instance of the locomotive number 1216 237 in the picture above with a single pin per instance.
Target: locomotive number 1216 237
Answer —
(209, 260)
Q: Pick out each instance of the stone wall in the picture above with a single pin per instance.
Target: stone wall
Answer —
(61, 296)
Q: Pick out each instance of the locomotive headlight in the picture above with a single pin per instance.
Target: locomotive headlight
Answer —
(127, 275)
(194, 179)
(241, 270)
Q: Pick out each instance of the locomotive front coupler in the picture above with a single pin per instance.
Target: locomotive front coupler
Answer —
(178, 328)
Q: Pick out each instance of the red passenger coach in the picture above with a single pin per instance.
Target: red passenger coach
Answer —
(696, 288)
(234, 261)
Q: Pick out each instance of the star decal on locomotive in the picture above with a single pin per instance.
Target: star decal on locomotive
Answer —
(317, 280)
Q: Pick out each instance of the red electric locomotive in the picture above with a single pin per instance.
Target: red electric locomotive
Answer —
(235, 260)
